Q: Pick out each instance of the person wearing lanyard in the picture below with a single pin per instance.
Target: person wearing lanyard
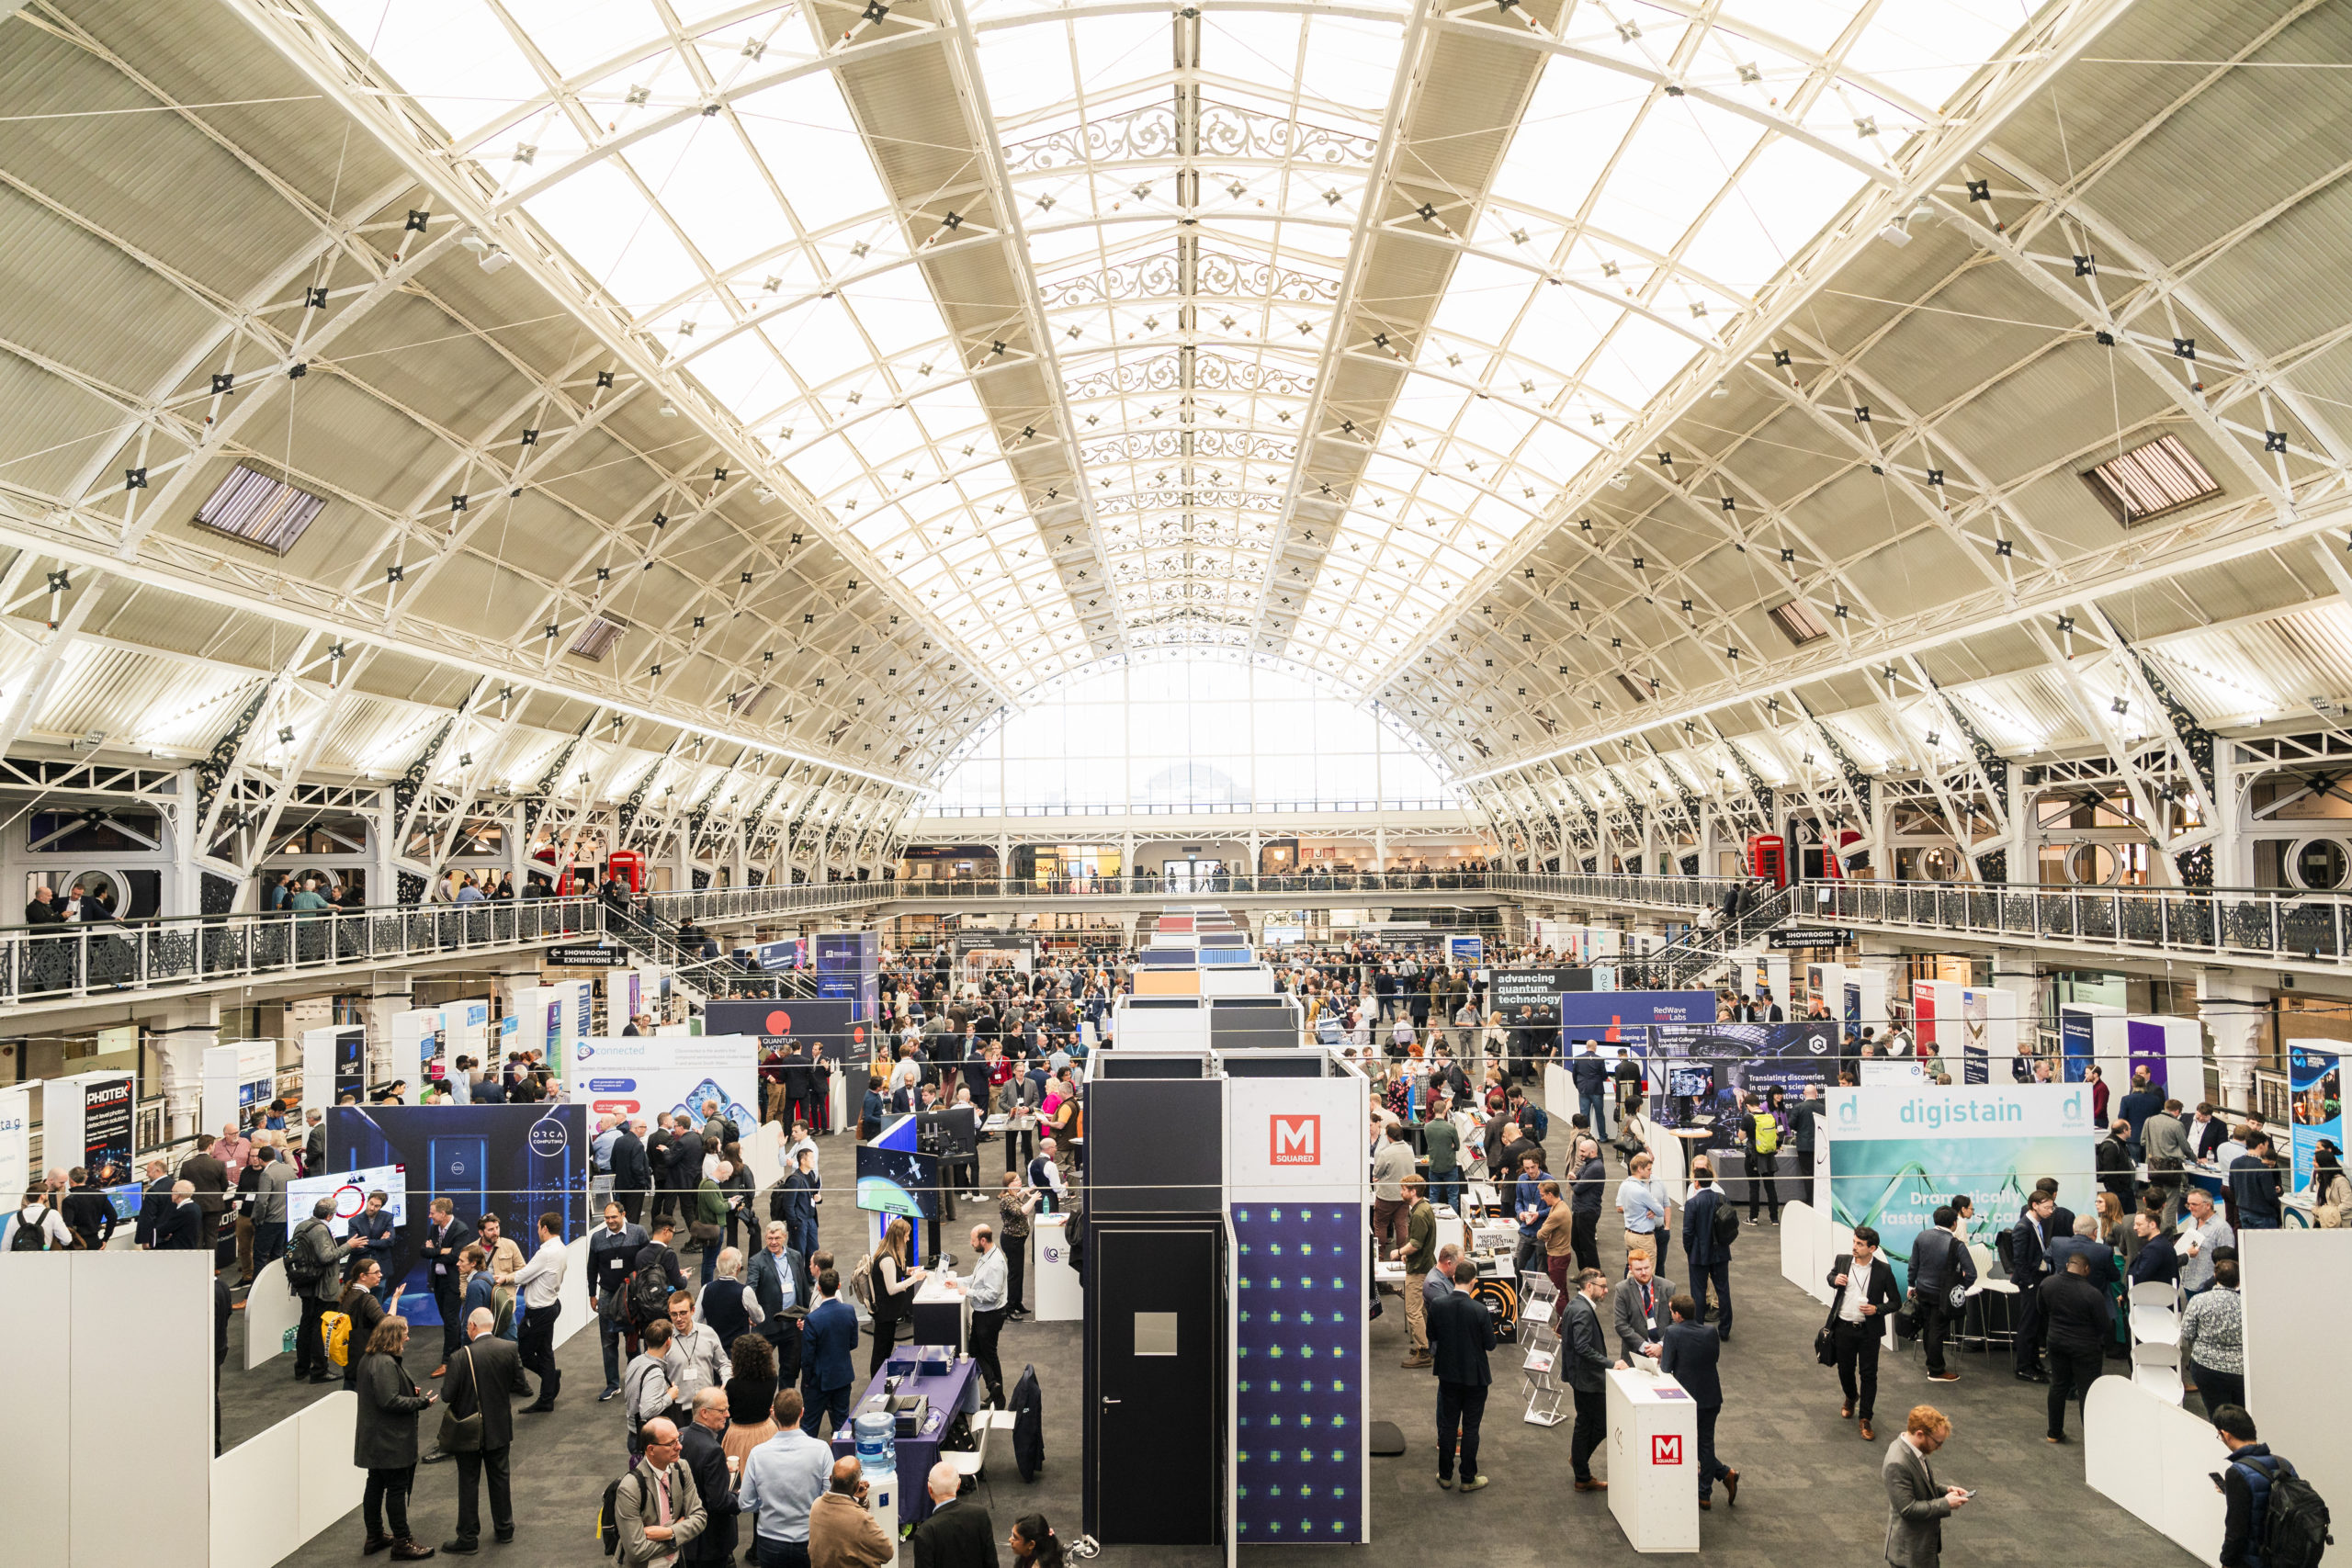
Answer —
(657, 1508)
(1643, 1207)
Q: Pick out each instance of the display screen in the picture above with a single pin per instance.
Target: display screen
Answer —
(1689, 1082)
(349, 1191)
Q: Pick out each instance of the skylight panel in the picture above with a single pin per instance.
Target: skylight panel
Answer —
(1576, 118)
(596, 636)
(453, 56)
(820, 342)
(1798, 621)
(598, 216)
(257, 509)
(709, 184)
(2158, 476)
(803, 132)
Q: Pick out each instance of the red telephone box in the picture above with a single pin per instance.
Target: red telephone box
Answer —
(629, 866)
(1768, 858)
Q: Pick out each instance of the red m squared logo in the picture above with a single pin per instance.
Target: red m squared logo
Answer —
(1666, 1448)
(1295, 1140)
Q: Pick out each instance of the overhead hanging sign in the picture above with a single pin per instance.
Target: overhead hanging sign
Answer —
(1810, 936)
(588, 957)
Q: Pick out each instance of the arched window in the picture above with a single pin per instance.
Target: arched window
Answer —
(1192, 731)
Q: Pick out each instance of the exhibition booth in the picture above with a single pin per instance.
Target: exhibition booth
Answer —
(240, 1077)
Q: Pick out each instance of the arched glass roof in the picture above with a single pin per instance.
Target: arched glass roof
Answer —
(1096, 328)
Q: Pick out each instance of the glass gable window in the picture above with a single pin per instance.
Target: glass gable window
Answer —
(1200, 730)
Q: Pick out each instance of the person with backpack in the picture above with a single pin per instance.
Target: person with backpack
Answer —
(1760, 1131)
(39, 1227)
(1709, 1225)
(648, 1388)
(314, 1273)
(655, 1509)
(654, 1277)
(2273, 1517)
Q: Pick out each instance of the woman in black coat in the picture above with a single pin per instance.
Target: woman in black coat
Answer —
(384, 1440)
(359, 1301)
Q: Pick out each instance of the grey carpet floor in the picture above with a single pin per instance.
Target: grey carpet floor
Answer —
(1810, 1490)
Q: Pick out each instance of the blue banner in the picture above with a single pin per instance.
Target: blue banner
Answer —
(2314, 1080)
(1625, 1017)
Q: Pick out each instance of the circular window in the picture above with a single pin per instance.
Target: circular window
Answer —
(2092, 865)
(2320, 864)
(93, 886)
(1938, 865)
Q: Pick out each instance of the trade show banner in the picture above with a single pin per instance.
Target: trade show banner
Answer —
(16, 1142)
(658, 1075)
(334, 1063)
(1624, 1018)
(848, 967)
(1895, 1153)
(516, 1161)
(1302, 1263)
(1935, 1018)
(2171, 1051)
(105, 1141)
(1988, 1035)
(1698, 1071)
(1530, 999)
(2078, 1042)
(2314, 1082)
(832, 1024)
(238, 1082)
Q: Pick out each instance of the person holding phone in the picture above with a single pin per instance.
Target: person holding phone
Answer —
(1917, 1504)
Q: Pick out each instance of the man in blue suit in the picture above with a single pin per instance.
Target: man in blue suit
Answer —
(828, 1356)
(1687, 1352)
(1710, 1260)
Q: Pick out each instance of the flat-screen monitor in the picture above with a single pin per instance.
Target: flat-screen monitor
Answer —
(1695, 1083)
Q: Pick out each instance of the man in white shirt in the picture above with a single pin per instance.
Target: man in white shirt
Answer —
(539, 1288)
(986, 1292)
(2201, 1231)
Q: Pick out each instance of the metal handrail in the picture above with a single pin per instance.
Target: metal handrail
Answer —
(1152, 884)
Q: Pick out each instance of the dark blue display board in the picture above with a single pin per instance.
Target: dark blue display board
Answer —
(832, 1024)
(1298, 1400)
(516, 1161)
(848, 967)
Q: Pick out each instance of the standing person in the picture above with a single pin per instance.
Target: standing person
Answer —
(1690, 1353)
(1939, 1261)
(541, 1289)
(314, 1269)
(1391, 1163)
(1528, 1206)
(1643, 1203)
(701, 1446)
(446, 1236)
(844, 1532)
(955, 1533)
(828, 1356)
(2253, 1185)
(2079, 1324)
(2206, 1233)
(2030, 1241)
(1419, 1255)
(632, 1172)
(613, 1249)
(1557, 1235)
(1637, 1305)
(1586, 1344)
(893, 1285)
(1708, 1256)
(1016, 1204)
(783, 1478)
(1461, 1333)
(774, 1280)
(1761, 1132)
(1804, 1128)
(2155, 1260)
(1916, 1505)
(1862, 1290)
(359, 1304)
(384, 1441)
(2213, 1344)
(657, 1510)
(1443, 1141)
(696, 1357)
(1590, 1074)
(480, 1373)
(2165, 1139)
(1586, 1191)
(986, 1290)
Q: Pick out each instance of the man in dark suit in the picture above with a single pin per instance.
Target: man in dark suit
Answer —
(657, 1158)
(1862, 1293)
(154, 1207)
(632, 1175)
(446, 1236)
(2081, 1327)
(2157, 1260)
(775, 1279)
(703, 1453)
(1689, 1354)
(480, 1375)
(2207, 1133)
(1710, 1260)
(183, 1228)
(1637, 1305)
(2086, 1243)
(957, 1533)
(828, 1356)
(2030, 1241)
(1461, 1333)
(204, 1172)
(1584, 1364)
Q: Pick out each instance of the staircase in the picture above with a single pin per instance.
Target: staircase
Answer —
(700, 978)
(1691, 960)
